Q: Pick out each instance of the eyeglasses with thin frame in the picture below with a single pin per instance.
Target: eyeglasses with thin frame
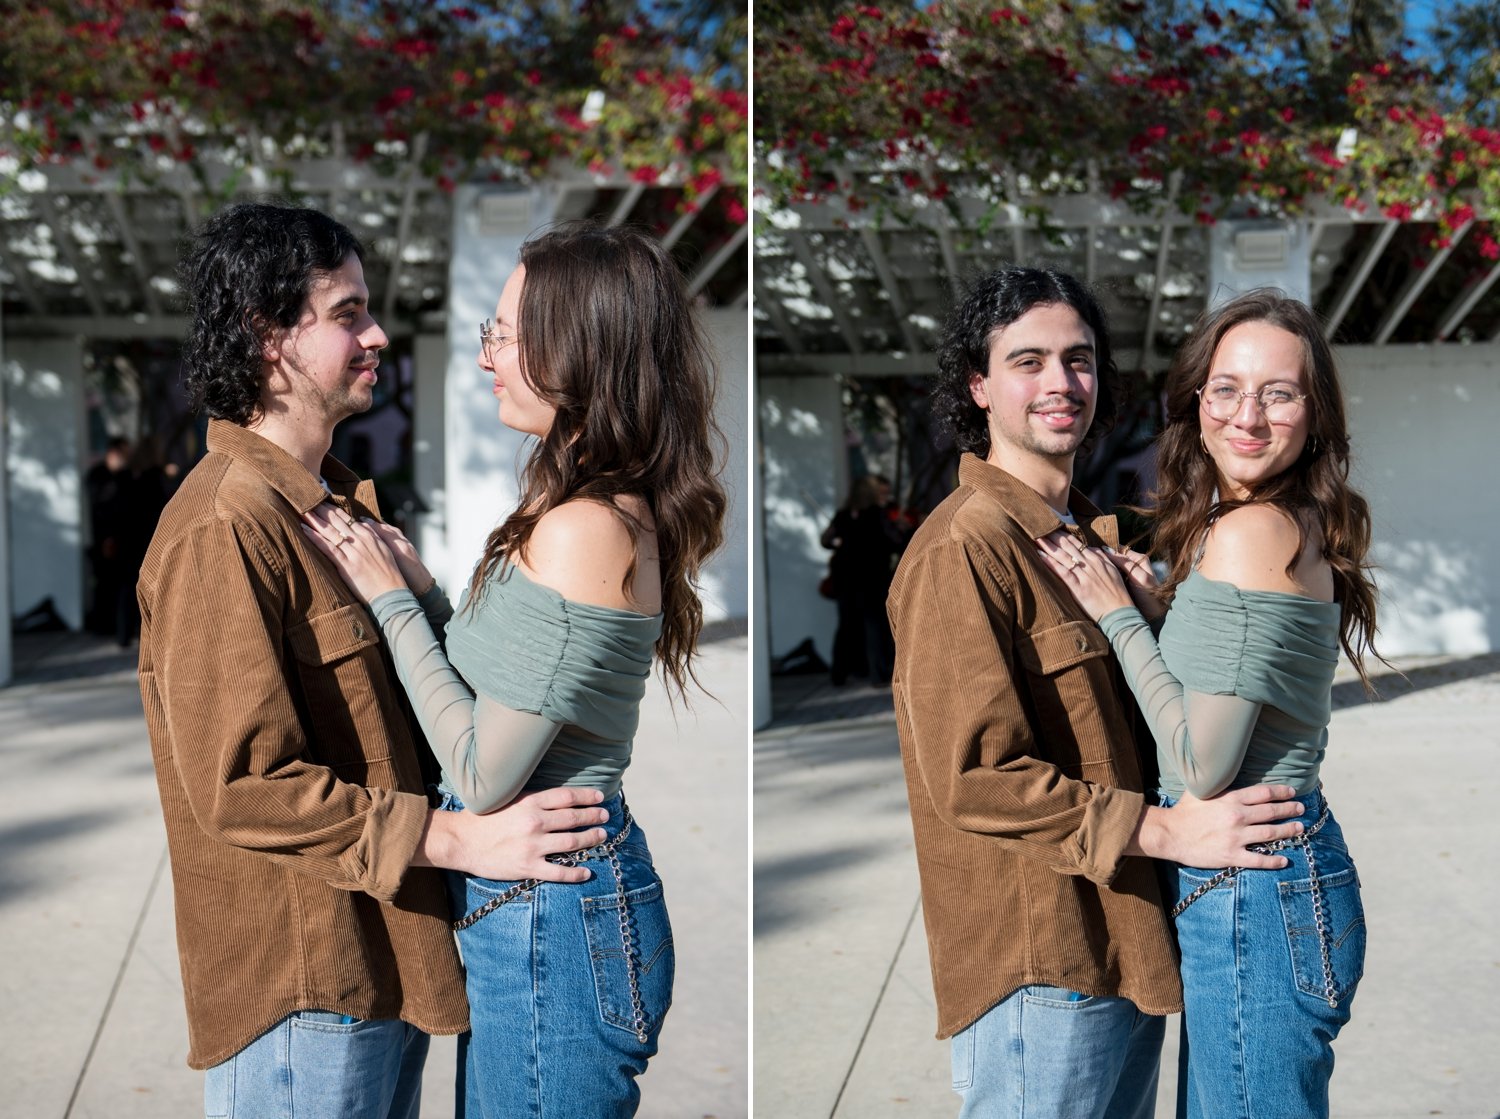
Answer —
(492, 343)
(1278, 403)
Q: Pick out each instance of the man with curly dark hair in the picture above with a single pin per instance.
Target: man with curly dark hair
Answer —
(1052, 958)
(316, 952)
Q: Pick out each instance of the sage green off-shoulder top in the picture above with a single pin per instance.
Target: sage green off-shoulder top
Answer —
(549, 692)
(1238, 688)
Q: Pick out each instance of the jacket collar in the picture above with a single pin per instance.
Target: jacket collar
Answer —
(289, 477)
(1025, 506)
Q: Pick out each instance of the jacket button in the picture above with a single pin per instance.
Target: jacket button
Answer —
(359, 631)
(1083, 644)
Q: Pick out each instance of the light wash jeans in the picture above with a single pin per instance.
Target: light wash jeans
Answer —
(1259, 1025)
(1050, 1053)
(315, 1065)
(553, 1033)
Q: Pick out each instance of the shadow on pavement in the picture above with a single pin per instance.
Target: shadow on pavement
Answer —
(49, 658)
(17, 841)
(1395, 684)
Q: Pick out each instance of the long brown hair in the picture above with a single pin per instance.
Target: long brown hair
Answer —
(1313, 490)
(607, 338)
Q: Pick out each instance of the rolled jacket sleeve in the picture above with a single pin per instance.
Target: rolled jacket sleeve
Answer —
(231, 700)
(989, 765)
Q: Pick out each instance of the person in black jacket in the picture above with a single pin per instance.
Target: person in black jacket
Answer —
(867, 538)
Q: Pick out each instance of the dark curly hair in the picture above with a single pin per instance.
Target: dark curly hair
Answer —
(608, 338)
(249, 269)
(995, 300)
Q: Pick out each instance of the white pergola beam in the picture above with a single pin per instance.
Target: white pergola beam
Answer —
(871, 240)
(940, 221)
(891, 288)
(18, 270)
(711, 267)
(1013, 191)
(1459, 309)
(685, 222)
(627, 203)
(1415, 284)
(403, 225)
(779, 321)
(1356, 279)
(336, 195)
(70, 254)
(115, 203)
(849, 365)
(1066, 211)
(797, 241)
(1163, 254)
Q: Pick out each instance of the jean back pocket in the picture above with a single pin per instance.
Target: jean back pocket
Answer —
(1343, 930)
(651, 955)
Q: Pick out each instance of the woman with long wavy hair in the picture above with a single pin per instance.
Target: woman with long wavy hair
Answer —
(595, 351)
(1232, 660)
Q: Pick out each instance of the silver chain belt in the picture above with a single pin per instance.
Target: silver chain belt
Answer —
(1319, 919)
(609, 850)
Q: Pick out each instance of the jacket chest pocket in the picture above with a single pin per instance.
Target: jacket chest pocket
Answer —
(1067, 672)
(343, 680)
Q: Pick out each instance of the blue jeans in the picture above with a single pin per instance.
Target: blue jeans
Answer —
(1259, 1023)
(554, 1024)
(1047, 1051)
(314, 1064)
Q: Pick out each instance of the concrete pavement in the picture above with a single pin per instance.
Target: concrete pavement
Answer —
(844, 1015)
(93, 1023)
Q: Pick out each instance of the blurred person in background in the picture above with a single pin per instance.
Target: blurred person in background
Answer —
(867, 537)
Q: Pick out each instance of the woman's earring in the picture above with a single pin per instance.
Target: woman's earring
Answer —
(1202, 442)
(1312, 447)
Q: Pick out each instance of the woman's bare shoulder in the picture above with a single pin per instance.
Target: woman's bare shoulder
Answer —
(1252, 547)
(582, 550)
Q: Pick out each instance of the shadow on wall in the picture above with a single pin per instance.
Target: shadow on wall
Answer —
(798, 502)
(44, 482)
(1436, 597)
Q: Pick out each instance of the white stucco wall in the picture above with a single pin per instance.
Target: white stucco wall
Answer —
(5, 601)
(802, 468)
(1423, 423)
(44, 463)
(726, 589)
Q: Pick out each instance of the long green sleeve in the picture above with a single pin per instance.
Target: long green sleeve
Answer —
(1201, 738)
(488, 750)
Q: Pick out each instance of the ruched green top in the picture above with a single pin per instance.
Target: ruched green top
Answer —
(1275, 652)
(550, 692)
(584, 667)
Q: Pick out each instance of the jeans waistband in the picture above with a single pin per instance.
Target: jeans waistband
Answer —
(449, 801)
(1314, 803)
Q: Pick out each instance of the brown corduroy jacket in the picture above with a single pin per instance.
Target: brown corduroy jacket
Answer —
(1023, 776)
(288, 773)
